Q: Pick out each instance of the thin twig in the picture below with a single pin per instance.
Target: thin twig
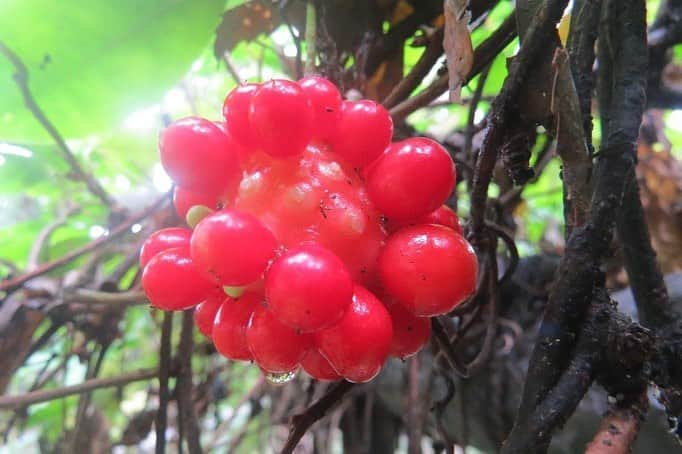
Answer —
(12, 284)
(414, 433)
(439, 407)
(310, 37)
(43, 238)
(161, 420)
(302, 422)
(484, 54)
(45, 395)
(430, 56)
(483, 355)
(231, 68)
(473, 106)
(582, 35)
(253, 393)
(508, 240)
(84, 398)
(83, 295)
(445, 347)
(184, 387)
(21, 78)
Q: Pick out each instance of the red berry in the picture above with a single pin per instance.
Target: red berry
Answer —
(429, 269)
(281, 118)
(298, 206)
(308, 288)
(441, 216)
(229, 326)
(164, 239)
(232, 245)
(364, 131)
(184, 199)
(276, 347)
(410, 332)
(236, 110)
(444, 215)
(318, 367)
(204, 313)
(326, 103)
(351, 229)
(199, 156)
(358, 345)
(172, 281)
(412, 178)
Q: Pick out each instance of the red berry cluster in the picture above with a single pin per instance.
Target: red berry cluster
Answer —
(316, 241)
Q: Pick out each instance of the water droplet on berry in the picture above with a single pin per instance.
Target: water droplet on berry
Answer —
(280, 378)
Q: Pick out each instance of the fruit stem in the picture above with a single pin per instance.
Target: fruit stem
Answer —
(310, 37)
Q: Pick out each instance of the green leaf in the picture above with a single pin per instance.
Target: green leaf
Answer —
(91, 63)
(30, 170)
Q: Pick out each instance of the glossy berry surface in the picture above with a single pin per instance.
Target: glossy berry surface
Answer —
(236, 111)
(199, 156)
(411, 179)
(172, 281)
(410, 333)
(429, 269)
(233, 245)
(358, 344)
(281, 118)
(164, 239)
(441, 216)
(314, 198)
(444, 215)
(229, 326)
(298, 203)
(364, 131)
(308, 288)
(325, 101)
(276, 347)
(205, 312)
(317, 366)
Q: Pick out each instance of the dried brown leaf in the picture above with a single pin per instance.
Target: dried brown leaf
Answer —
(660, 178)
(251, 19)
(457, 44)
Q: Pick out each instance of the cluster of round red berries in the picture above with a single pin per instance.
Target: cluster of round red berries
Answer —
(315, 241)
